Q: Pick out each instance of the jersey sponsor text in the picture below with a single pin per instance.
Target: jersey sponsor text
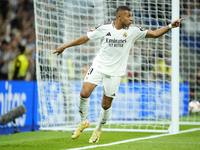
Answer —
(115, 42)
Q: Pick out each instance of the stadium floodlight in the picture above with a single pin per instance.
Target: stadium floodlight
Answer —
(12, 115)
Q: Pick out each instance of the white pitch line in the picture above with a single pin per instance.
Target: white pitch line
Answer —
(132, 140)
(168, 142)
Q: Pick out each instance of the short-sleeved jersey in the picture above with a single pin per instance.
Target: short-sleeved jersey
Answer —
(116, 44)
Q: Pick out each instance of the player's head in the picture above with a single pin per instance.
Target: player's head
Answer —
(21, 49)
(4, 45)
(124, 15)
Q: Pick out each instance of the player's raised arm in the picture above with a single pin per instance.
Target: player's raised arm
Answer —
(161, 31)
(76, 42)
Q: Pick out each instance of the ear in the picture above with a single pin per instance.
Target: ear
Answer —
(118, 16)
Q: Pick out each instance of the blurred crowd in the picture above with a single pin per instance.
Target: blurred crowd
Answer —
(17, 40)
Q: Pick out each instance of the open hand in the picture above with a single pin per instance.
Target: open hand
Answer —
(59, 50)
(177, 22)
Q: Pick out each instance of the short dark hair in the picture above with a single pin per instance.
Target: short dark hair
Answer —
(21, 48)
(4, 42)
(122, 8)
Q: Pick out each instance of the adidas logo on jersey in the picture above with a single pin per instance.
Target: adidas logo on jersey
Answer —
(108, 34)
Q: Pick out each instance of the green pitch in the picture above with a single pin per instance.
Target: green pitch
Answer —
(52, 140)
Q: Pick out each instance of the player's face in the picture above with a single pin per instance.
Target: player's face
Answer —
(126, 18)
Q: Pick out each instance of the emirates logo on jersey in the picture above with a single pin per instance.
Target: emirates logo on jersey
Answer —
(125, 35)
(115, 42)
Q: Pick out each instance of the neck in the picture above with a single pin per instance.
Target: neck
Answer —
(118, 25)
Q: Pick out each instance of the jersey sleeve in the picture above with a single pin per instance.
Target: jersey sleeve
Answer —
(95, 33)
(141, 33)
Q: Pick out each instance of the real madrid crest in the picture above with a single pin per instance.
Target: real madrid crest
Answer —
(125, 35)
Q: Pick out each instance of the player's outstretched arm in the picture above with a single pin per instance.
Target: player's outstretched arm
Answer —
(161, 31)
(76, 42)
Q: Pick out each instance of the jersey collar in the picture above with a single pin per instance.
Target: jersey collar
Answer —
(125, 28)
(113, 24)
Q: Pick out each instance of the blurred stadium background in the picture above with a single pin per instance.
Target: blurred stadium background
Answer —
(17, 27)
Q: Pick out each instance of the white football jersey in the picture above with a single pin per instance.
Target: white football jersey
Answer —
(116, 44)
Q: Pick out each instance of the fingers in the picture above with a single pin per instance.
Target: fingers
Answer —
(59, 50)
(179, 20)
(55, 52)
(58, 53)
(182, 19)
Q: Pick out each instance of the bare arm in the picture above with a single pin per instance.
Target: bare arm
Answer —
(76, 42)
(161, 31)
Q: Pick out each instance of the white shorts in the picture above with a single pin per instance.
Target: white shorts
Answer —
(110, 83)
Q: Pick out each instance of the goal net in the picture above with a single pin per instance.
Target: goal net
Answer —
(190, 55)
(143, 102)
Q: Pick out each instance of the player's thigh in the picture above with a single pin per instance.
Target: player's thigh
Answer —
(91, 80)
(87, 89)
(111, 85)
